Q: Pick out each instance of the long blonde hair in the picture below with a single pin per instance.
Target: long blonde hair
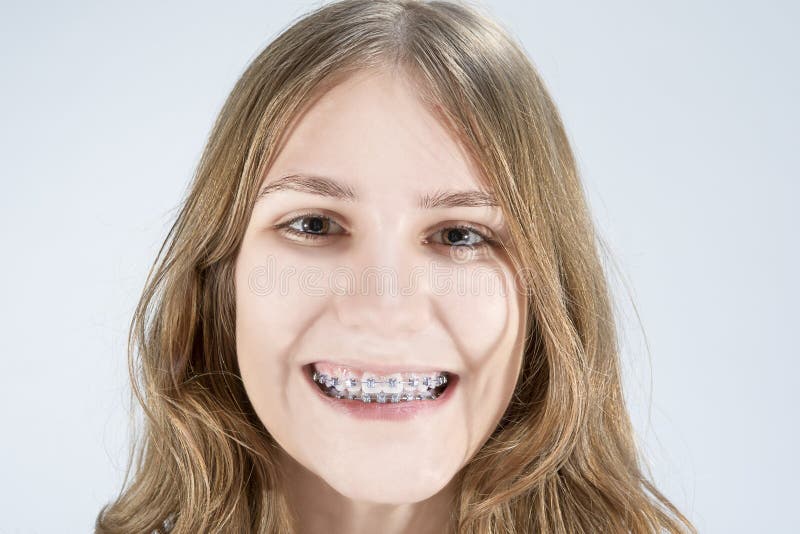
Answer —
(563, 459)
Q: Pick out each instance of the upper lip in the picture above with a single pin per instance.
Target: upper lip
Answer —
(379, 367)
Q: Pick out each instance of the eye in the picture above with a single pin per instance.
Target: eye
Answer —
(308, 226)
(312, 226)
(463, 235)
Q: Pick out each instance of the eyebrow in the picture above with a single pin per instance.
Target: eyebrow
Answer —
(328, 187)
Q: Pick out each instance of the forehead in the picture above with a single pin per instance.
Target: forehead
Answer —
(374, 132)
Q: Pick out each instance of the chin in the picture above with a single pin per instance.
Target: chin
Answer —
(382, 480)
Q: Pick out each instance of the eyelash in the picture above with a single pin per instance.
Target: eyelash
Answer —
(286, 228)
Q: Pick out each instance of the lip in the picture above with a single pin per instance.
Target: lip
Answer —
(382, 368)
(390, 411)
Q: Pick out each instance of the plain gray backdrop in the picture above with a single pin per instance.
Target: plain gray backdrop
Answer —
(683, 116)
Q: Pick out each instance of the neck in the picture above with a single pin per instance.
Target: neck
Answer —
(319, 509)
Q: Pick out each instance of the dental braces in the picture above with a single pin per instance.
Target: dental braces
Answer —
(381, 396)
(393, 382)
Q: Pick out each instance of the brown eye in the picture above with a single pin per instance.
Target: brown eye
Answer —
(309, 226)
(314, 225)
(462, 235)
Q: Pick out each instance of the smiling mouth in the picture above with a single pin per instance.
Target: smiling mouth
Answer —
(390, 388)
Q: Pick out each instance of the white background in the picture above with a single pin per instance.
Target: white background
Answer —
(684, 118)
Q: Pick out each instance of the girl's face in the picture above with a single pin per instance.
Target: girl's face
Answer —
(354, 267)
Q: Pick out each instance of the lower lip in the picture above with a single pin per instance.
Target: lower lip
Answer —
(388, 411)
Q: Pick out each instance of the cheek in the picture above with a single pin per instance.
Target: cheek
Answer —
(272, 303)
(480, 311)
(272, 313)
(485, 322)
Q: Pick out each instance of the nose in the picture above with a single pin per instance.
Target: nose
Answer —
(386, 294)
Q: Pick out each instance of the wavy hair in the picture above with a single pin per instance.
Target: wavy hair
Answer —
(563, 458)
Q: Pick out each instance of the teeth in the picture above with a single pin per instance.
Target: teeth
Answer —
(394, 384)
(343, 383)
(352, 384)
(371, 383)
(412, 383)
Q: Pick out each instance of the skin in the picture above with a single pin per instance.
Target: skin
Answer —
(344, 474)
